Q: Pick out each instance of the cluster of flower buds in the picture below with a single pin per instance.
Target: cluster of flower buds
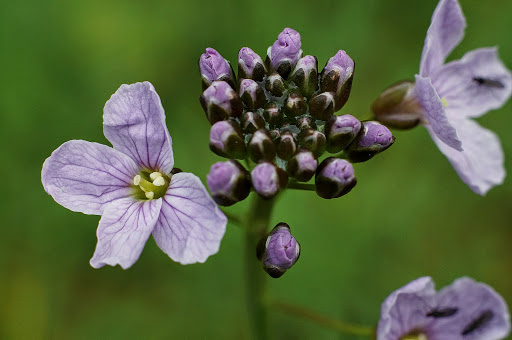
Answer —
(278, 116)
(278, 250)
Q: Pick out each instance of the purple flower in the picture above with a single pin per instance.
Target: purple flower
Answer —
(133, 186)
(450, 94)
(465, 310)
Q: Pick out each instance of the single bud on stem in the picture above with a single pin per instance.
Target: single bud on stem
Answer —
(285, 52)
(250, 65)
(322, 105)
(305, 75)
(275, 84)
(313, 140)
(228, 182)
(268, 180)
(261, 146)
(252, 94)
(372, 139)
(251, 121)
(397, 106)
(219, 102)
(278, 250)
(340, 131)
(337, 77)
(226, 140)
(295, 104)
(334, 178)
(302, 165)
(273, 115)
(305, 123)
(286, 145)
(214, 67)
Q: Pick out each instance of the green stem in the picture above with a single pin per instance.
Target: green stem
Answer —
(256, 227)
(323, 320)
(301, 186)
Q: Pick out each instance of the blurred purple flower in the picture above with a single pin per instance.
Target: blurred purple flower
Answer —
(465, 310)
(132, 186)
(452, 93)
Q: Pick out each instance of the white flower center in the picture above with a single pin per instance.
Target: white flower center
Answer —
(153, 188)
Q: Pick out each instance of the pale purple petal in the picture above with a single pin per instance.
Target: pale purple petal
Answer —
(85, 177)
(123, 231)
(473, 85)
(134, 122)
(434, 113)
(480, 165)
(191, 225)
(406, 309)
(445, 32)
(472, 301)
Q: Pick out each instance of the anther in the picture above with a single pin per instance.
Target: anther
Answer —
(150, 195)
(159, 181)
(136, 180)
(155, 175)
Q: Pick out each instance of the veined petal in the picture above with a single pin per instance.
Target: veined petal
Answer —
(473, 85)
(85, 177)
(191, 225)
(445, 32)
(481, 312)
(480, 165)
(134, 122)
(405, 309)
(434, 113)
(123, 231)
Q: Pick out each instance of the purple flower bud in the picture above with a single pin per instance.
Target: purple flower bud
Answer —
(251, 121)
(275, 84)
(278, 250)
(397, 106)
(305, 75)
(372, 139)
(341, 131)
(285, 52)
(261, 147)
(286, 145)
(295, 105)
(214, 67)
(228, 182)
(250, 65)
(334, 178)
(273, 115)
(313, 140)
(252, 94)
(322, 105)
(226, 140)
(302, 165)
(219, 102)
(337, 77)
(268, 180)
(305, 122)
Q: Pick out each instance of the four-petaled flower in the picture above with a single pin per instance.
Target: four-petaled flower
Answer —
(465, 310)
(133, 186)
(450, 94)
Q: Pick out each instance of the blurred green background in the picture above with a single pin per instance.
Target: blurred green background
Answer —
(410, 215)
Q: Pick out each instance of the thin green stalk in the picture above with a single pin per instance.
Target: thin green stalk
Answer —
(323, 320)
(256, 227)
(301, 186)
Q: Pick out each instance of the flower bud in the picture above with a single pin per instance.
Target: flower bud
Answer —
(322, 105)
(337, 77)
(251, 121)
(219, 102)
(302, 165)
(214, 67)
(372, 139)
(295, 105)
(397, 106)
(286, 145)
(340, 131)
(278, 250)
(228, 182)
(261, 146)
(250, 65)
(252, 94)
(334, 178)
(268, 180)
(273, 115)
(285, 52)
(305, 123)
(305, 75)
(313, 140)
(226, 140)
(275, 84)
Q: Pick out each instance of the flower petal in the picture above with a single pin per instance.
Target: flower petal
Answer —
(123, 231)
(475, 84)
(405, 309)
(85, 177)
(191, 225)
(134, 122)
(434, 113)
(480, 165)
(445, 32)
(473, 300)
